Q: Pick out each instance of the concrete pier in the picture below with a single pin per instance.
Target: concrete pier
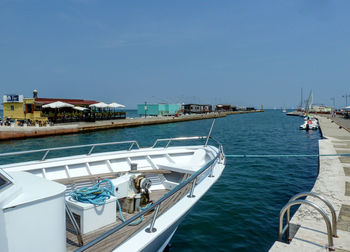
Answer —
(16, 132)
(333, 183)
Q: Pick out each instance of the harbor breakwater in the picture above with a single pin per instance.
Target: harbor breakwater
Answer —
(16, 132)
(332, 183)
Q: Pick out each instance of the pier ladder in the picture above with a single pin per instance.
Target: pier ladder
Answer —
(295, 200)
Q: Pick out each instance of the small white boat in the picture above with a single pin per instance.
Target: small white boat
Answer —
(153, 188)
(310, 123)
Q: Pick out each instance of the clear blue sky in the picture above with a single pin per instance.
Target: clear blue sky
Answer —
(239, 52)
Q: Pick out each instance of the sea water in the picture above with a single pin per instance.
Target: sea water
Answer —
(240, 212)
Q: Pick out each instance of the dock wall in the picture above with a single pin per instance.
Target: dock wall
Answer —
(311, 234)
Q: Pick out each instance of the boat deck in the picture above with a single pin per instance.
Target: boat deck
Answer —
(120, 236)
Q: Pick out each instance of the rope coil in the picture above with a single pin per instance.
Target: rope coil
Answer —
(95, 195)
(98, 195)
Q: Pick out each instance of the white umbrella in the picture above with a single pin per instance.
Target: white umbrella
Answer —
(99, 105)
(79, 108)
(115, 105)
(58, 104)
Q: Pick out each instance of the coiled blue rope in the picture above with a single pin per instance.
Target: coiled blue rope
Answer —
(98, 195)
(95, 195)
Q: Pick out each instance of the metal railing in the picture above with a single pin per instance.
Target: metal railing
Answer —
(324, 200)
(92, 146)
(331, 228)
(192, 179)
(169, 140)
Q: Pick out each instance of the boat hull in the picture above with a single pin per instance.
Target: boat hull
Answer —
(201, 165)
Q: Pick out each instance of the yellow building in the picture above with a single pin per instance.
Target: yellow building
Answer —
(16, 107)
(19, 108)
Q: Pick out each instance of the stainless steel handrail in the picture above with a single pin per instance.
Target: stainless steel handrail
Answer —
(331, 208)
(69, 147)
(132, 143)
(193, 177)
(309, 203)
(215, 140)
(169, 140)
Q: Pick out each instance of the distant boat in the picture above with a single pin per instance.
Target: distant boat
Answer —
(310, 123)
(284, 110)
(309, 103)
(300, 107)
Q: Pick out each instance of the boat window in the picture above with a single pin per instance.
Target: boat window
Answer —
(4, 181)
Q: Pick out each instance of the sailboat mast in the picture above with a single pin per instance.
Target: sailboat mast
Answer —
(301, 101)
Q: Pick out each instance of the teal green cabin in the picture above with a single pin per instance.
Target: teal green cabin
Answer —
(158, 109)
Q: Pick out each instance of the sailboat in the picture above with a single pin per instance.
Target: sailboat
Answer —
(300, 107)
(310, 122)
(309, 103)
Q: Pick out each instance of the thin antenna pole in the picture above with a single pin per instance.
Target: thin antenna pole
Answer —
(211, 129)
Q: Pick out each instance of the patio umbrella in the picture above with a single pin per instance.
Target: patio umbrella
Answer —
(99, 105)
(115, 105)
(79, 108)
(58, 104)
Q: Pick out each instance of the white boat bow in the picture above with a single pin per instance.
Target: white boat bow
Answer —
(170, 179)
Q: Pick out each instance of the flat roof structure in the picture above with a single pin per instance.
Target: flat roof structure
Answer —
(77, 102)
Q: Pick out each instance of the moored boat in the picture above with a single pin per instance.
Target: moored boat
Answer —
(150, 192)
(310, 123)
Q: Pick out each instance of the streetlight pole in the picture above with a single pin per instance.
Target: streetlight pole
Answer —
(333, 99)
(346, 99)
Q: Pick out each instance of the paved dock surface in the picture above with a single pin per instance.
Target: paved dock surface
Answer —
(341, 121)
(333, 183)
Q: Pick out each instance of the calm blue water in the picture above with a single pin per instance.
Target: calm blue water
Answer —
(239, 213)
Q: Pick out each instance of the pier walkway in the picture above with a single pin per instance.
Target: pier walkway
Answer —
(333, 183)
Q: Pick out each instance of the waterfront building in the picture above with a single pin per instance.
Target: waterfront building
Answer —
(225, 108)
(19, 108)
(197, 108)
(161, 109)
(321, 109)
(16, 107)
